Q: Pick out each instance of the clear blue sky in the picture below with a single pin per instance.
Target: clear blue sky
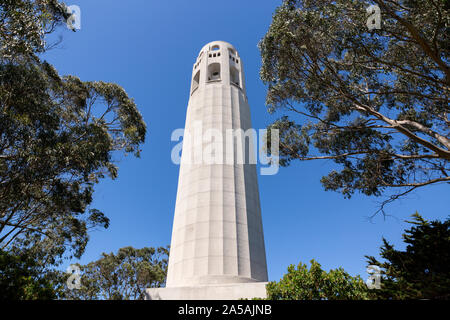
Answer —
(149, 47)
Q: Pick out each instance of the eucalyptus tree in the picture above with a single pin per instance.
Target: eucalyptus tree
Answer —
(120, 276)
(373, 100)
(58, 135)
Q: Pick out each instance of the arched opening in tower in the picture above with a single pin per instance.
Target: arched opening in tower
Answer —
(234, 75)
(214, 71)
(196, 81)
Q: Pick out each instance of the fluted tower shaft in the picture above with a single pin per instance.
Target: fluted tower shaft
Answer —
(217, 234)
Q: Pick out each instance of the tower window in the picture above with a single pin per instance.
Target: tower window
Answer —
(196, 81)
(214, 71)
(234, 76)
(215, 48)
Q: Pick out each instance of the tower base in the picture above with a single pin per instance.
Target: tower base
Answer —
(228, 291)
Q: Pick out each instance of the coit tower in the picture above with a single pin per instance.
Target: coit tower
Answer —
(217, 248)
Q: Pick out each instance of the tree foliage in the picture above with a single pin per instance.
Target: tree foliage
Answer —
(121, 276)
(375, 102)
(21, 279)
(316, 284)
(24, 25)
(422, 270)
(58, 135)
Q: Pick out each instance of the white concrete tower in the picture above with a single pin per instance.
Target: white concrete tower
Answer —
(217, 248)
